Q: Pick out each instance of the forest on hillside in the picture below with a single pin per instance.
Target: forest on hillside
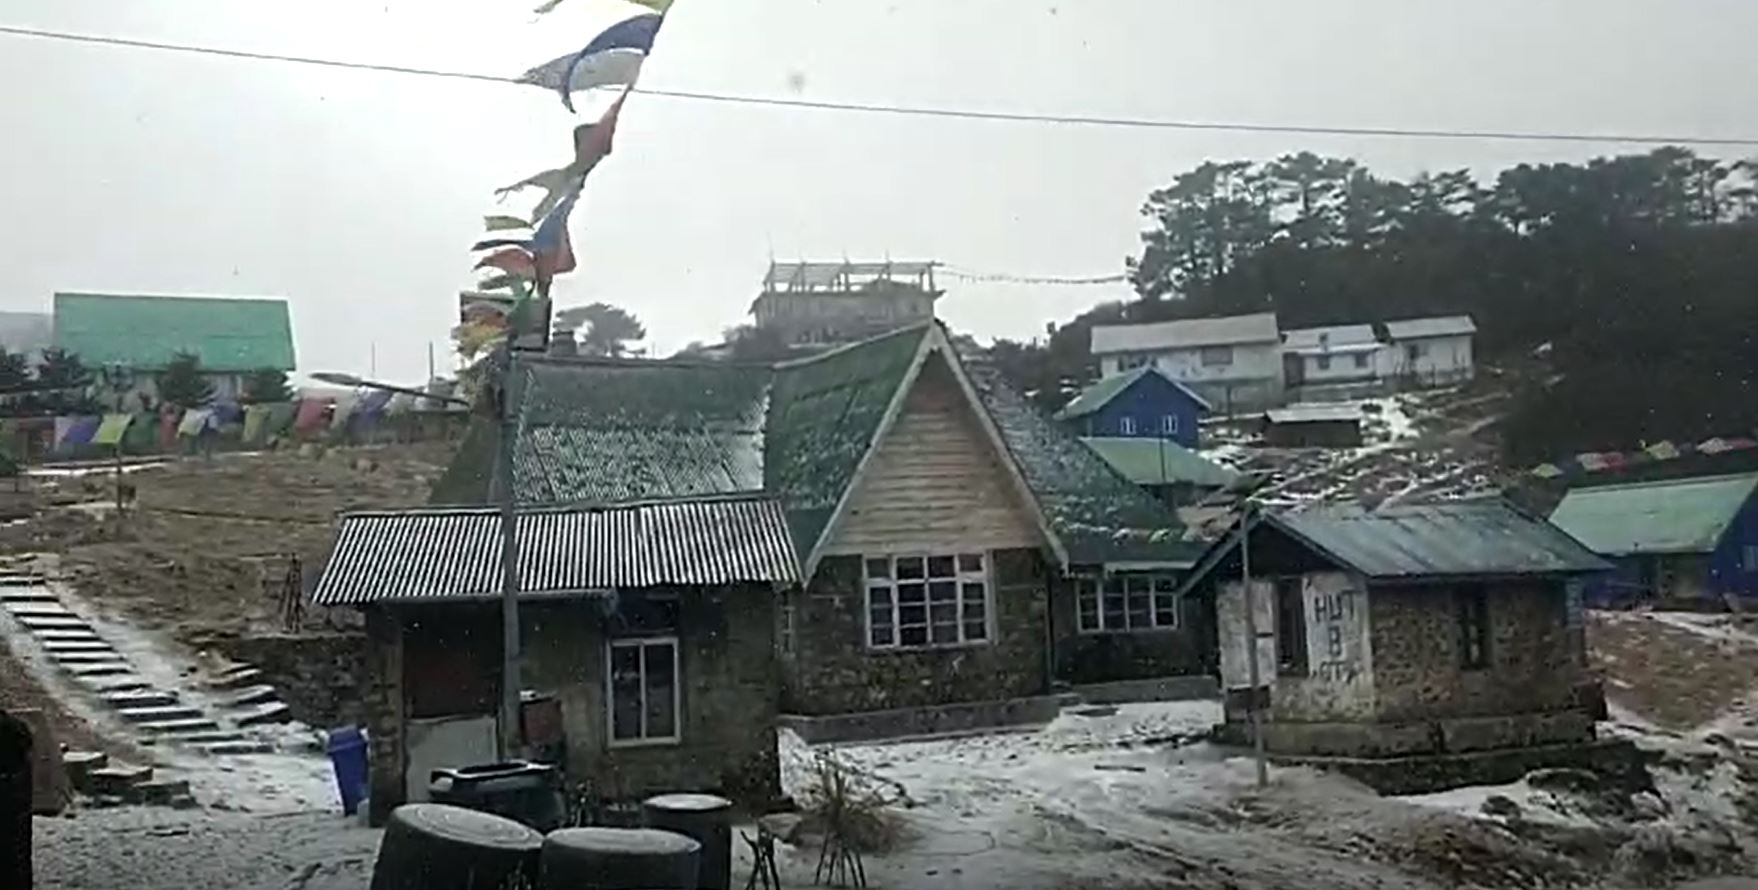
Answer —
(1625, 289)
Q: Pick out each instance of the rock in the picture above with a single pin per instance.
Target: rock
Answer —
(1579, 781)
(1501, 805)
(1646, 806)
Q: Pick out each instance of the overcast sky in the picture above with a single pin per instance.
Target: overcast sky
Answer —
(356, 194)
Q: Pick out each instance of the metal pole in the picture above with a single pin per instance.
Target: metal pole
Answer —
(1253, 702)
(510, 735)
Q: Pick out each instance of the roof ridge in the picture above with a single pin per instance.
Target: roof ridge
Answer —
(1680, 482)
(565, 506)
(786, 364)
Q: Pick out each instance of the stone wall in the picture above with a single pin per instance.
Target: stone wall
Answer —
(319, 675)
(728, 700)
(382, 700)
(832, 670)
(1109, 657)
(1535, 660)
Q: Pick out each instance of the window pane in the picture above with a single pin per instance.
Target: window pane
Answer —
(973, 610)
(942, 591)
(976, 630)
(912, 615)
(911, 593)
(909, 567)
(940, 567)
(878, 596)
(625, 692)
(946, 633)
(1140, 602)
(881, 634)
(973, 592)
(878, 568)
(943, 613)
(661, 683)
(1165, 585)
(1114, 610)
(1165, 610)
(913, 636)
(970, 562)
(1114, 584)
(1089, 610)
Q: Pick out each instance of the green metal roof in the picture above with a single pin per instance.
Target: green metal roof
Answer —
(144, 333)
(1468, 538)
(1150, 461)
(609, 432)
(1669, 516)
(1101, 393)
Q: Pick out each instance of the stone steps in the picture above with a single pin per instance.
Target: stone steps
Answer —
(145, 714)
(266, 712)
(103, 685)
(251, 695)
(53, 646)
(181, 726)
(104, 669)
(87, 657)
(40, 622)
(72, 634)
(237, 677)
(138, 698)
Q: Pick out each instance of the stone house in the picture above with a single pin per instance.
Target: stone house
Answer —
(954, 545)
(1233, 363)
(650, 625)
(1411, 630)
(1684, 541)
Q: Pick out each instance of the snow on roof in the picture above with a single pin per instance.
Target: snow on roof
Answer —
(1348, 411)
(1334, 338)
(1187, 334)
(1441, 326)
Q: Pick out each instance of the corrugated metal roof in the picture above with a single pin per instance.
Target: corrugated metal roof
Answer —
(1669, 516)
(1343, 338)
(1101, 393)
(1149, 461)
(145, 333)
(1440, 326)
(1187, 334)
(1475, 538)
(1314, 413)
(440, 554)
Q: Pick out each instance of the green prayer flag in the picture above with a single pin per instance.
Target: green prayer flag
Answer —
(111, 430)
(501, 223)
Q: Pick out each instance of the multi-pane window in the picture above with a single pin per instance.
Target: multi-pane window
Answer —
(1169, 424)
(1749, 558)
(643, 698)
(1126, 603)
(1473, 606)
(1324, 363)
(915, 601)
(1361, 359)
(1214, 356)
(1126, 425)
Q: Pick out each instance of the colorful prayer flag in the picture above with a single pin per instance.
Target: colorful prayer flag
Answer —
(75, 430)
(168, 429)
(492, 243)
(633, 33)
(255, 416)
(611, 68)
(280, 418)
(62, 426)
(1663, 450)
(1716, 445)
(659, 6)
(195, 421)
(311, 414)
(502, 223)
(112, 429)
(551, 248)
(512, 259)
(345, 405)
(1547, 471)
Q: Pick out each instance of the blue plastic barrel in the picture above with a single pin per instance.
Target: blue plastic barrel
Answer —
(347, 750)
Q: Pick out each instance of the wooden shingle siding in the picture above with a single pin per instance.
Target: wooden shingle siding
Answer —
(935, 482)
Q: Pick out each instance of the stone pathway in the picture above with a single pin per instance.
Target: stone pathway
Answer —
(215, 721)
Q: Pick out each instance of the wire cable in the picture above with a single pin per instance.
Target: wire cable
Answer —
(929, 111)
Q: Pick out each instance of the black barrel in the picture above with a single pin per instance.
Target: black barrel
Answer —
(15, 802)
(430, 846)
(618, 859)
(530, 793)
(704, 818)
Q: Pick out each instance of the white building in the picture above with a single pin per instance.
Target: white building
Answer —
(1234, 362)
(1350, 353)
(1429, 351)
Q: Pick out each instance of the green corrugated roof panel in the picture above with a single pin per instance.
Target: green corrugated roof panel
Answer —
(1148, 461)
(144, 333)
(1100, 517)
(1462, 539)
(824, 413)
(1669, 516)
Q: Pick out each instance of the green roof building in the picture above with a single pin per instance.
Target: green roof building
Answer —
(954, 544)
(141, 334)
(1673, 539)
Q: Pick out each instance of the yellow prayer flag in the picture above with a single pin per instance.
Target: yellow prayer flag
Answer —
(111, 430)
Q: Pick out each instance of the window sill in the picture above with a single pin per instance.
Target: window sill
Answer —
(1133, 631)
(646, 743)
(931, 647)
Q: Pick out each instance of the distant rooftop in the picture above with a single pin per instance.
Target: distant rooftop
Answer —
(1101, 393)
(833, 277)
(145, 332)
(1335, 338)
(1147, 461)
(1315, 413)
(1188, 334)
(1440, 326)
(1668, 516)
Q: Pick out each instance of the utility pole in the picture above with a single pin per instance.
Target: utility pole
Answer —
(1254, 674)
(511, 738)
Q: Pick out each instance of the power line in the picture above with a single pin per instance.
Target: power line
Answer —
(1006, 278)
(929, 111)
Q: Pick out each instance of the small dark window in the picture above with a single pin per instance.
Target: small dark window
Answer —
(1473, 606)
(1290, 628)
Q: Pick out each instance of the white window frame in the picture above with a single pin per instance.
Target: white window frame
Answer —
(1323, 362)
(1749, 558)
(1169, 424)
(677, 685)
(961, 577)
(1126, 425)
(1164, 603)
(1215, 356)
(1361, 360)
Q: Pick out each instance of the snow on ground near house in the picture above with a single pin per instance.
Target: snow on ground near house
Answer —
(1718, 627)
